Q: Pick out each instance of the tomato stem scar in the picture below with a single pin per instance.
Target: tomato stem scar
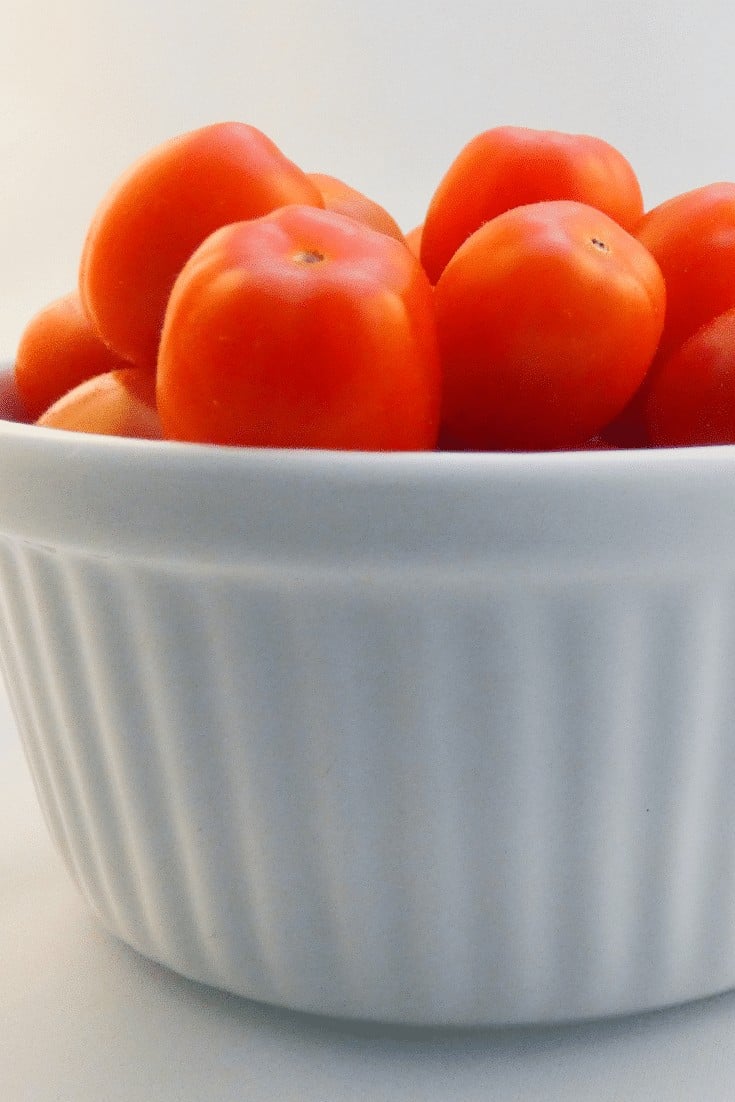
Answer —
(599, 245)
(309, 256)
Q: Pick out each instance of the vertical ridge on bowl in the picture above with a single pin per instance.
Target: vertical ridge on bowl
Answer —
(610, 787)
(45, 726)
(389, 792)
(17, 639)
(701, 749)
(237, 936)
(118, 657)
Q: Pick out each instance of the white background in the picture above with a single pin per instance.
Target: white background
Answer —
(382, 93)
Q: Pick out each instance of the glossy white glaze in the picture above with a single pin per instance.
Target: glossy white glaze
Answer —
(439, 739)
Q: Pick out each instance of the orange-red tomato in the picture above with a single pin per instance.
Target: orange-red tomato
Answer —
(692, 237)
(301, 329)
(511, 166)
(413, 240)
(343, 199)
(161, 209)
(595, 444)
(59, 349)
(691, 398)
(548, 319)
(118, 403)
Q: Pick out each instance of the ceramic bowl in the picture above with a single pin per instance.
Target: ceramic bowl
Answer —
(440, 739)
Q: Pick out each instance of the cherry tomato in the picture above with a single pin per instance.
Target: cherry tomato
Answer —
(511, 166)
(691, 398)
(118, 403)
(594, 444)
(413, 240)
(343, 199)
(301, 329)
(58, 349)
(548, 319)
(161, 209)
(692, 237)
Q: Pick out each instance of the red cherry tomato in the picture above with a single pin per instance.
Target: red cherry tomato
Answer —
(692, 237)
(301, 329)
(161, 209)
(343, 199)
(413, 240)
(118, 403)
(691, 398)
(59, 349)
(511, 166)
(548, 319)
(595, 444)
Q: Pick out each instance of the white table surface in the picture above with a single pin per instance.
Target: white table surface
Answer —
(85, 1019)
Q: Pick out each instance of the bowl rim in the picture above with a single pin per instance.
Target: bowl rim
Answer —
(160, 500)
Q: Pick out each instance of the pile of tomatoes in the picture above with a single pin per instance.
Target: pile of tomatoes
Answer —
(225, 296)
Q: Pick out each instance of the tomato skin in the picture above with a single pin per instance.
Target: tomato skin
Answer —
(58, 349)
(548, 319)
(301, 329)
(413, 240)
(161, 209)
(343, 199)
(595, 444)
(511, 166)
(692, 237)
(691, 399)
(117, 403)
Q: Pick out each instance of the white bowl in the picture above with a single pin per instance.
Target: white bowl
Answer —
(433, 739)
